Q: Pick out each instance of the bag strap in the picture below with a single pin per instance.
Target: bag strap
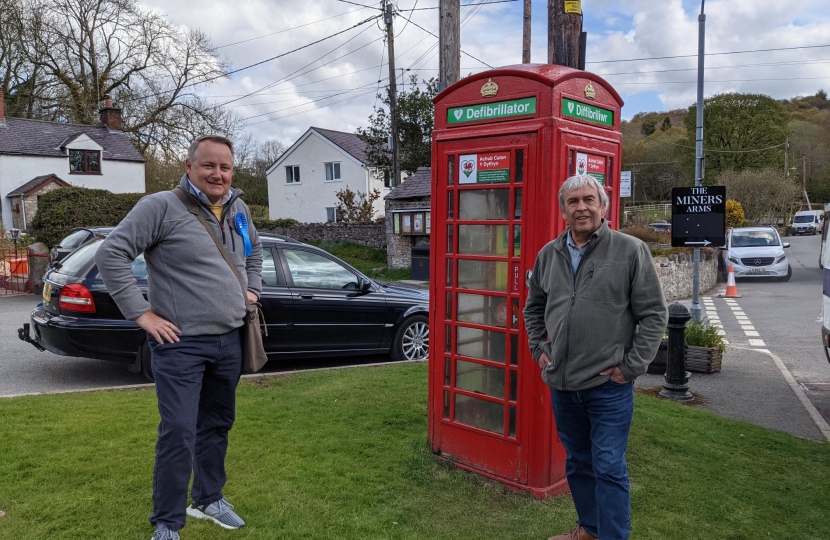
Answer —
(194, 209)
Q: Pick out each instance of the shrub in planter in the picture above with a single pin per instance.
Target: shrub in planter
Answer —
(704, 350)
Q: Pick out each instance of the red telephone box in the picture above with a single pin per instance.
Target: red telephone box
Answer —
(504, 142)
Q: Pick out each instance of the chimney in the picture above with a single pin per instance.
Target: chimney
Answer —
(110, 116)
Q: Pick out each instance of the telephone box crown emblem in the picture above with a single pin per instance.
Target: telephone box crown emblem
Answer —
(590, 93)
(489, 89)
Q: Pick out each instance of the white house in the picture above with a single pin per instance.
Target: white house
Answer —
(302, 183)
(98, 157)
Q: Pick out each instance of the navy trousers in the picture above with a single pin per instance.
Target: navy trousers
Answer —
(196, 381)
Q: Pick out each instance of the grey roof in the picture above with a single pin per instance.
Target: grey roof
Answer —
(35, 183)
(349, 142)
(39, 138)
(416, 186)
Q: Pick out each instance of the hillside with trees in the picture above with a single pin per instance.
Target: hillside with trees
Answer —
(745, 138)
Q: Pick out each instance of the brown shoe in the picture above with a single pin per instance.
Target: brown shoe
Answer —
(578, 533)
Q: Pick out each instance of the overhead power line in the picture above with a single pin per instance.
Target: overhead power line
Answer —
(729, 80)
(732, 66)
(433, 35)
(707, 54)
(468, 5)
(724, 151)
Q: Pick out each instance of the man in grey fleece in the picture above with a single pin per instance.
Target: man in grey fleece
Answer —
(193, 317)
(595, 315)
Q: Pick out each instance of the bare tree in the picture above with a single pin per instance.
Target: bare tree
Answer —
(764, 193)
(60, 57)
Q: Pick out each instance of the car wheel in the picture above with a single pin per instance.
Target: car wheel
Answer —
(412, 339)
(789, 274)
(146, 358)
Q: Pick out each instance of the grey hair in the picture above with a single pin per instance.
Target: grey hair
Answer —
(578, 182)
(191, 151)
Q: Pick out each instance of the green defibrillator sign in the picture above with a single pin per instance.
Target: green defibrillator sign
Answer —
(583, 111)
(491, 111)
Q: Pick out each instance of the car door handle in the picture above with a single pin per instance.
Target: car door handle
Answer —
(307, 296)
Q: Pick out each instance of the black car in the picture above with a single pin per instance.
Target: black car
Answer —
(314, 304)
(75, 239)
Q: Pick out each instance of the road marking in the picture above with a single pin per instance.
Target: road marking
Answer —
(742, 317)
(752, 333)
(748, 327)
(820, 422)
(757, 343)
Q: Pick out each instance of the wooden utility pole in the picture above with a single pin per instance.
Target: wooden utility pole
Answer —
(564, 31)
(449, 43)
(526, 35)
(389, 15)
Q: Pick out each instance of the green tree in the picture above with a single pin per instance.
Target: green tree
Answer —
(734, 214)
(666, 125)
(821, 94)
(648, 127)
(356, 206)
(416, 119)
(740, 132)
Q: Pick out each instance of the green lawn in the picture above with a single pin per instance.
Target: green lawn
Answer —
(342, 455)
(370, 261)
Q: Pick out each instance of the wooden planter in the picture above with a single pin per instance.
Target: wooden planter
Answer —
(698, 359)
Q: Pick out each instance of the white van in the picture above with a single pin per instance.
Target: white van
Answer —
(807, 222)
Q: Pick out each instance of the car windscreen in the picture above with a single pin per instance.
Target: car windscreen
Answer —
(754, 239)
(804, 219)
(74, 240)
(80, 261)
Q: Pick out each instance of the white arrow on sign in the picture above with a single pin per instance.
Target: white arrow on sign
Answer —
(704, 243)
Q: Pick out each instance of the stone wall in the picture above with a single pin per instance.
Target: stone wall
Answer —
(675, 272)
(399, 247)
(365, 234)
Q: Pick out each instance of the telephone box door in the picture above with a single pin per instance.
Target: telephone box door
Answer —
(476, 324)
(581, 153)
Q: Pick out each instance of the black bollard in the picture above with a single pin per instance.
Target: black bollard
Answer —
(676, 386)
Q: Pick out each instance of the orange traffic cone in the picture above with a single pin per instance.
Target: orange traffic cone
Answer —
(731, 288)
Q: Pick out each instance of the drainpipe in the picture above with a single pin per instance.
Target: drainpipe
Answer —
(23, 209)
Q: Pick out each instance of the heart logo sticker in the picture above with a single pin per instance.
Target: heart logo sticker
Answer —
(570, 108)
(467, 167)
(458, 114)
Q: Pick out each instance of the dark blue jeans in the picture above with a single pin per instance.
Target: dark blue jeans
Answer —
(196, 381)
(593, 426)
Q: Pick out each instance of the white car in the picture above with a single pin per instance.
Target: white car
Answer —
(757, 252)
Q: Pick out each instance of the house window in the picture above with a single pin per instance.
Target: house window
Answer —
(292, 174)
(85, 161)
(331, 214)
(332, 171)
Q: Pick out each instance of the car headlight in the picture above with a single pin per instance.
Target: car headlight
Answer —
(734, 260)
(780, 259)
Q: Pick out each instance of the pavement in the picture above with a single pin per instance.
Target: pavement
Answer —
(754, 385)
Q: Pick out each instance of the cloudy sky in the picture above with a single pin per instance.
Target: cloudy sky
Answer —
(332, 84)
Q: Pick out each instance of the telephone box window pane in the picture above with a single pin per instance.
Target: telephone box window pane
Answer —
(514, 350)
(482, 275)
(450, 170)
(449, 238)
(449, 272)
(479, 309)
(484, 344)
(514, 321)
(447, 372)
(514, 384)
(478, 378)
(479, 413)
(446, 405)
(520, 165)
(448, 338)
(484, 204)
(450, 204)
(449, 307)
(517, 240)
(512, 421)
(517, 209)
(483, 239)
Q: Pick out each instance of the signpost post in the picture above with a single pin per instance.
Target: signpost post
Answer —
(698, 216)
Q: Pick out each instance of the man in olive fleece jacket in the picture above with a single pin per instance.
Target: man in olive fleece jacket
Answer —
(194, 320)
(595, 315)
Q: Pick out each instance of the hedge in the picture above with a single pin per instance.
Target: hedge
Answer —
(61, 210)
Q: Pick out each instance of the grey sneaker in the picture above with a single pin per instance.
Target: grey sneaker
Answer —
(220, 512)
(163, 533)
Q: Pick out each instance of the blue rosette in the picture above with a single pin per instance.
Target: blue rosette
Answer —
(241, 224)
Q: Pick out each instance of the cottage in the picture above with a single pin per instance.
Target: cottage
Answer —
(38, 156)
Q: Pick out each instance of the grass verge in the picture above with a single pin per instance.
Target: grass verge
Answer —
(366, 259)
(342, 454)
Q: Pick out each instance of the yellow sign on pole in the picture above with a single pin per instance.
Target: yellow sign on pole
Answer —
(573, 6)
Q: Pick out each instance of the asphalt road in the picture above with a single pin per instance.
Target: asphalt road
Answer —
(25, 370)
(787, 318)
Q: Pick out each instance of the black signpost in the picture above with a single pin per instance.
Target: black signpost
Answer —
(698, 216)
